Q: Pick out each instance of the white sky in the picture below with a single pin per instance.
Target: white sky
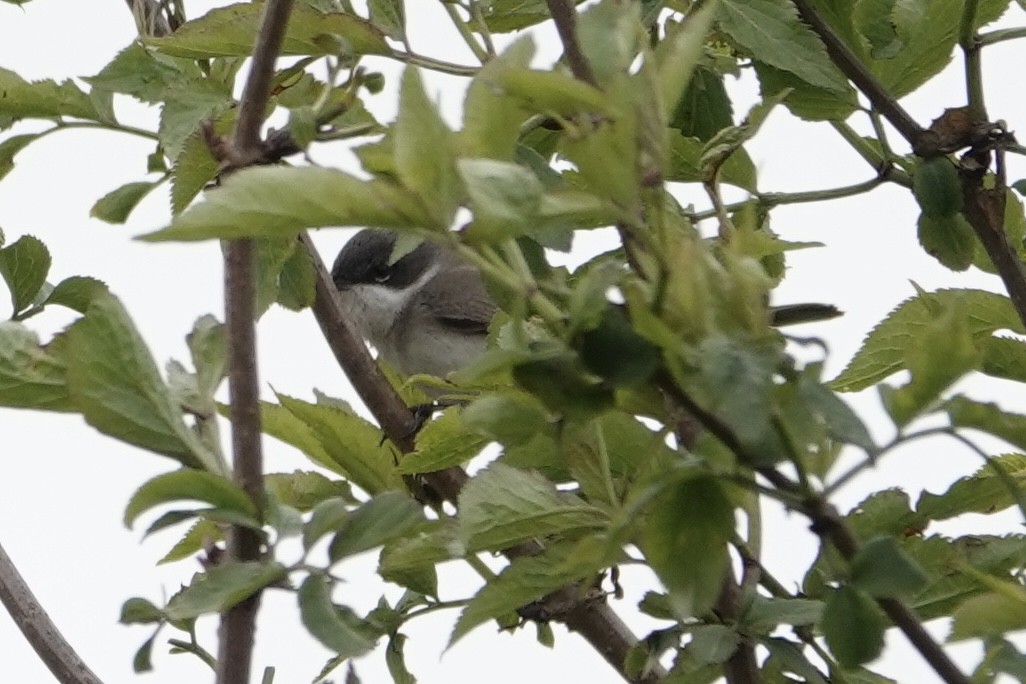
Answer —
(64, 486)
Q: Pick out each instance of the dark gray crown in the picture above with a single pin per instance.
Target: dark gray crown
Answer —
(364, 260)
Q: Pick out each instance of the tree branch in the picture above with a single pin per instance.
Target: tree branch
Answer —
(856, 71)
(829, 525)
(238, 624)
(46, 640)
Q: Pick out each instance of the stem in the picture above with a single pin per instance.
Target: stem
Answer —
(773, 199)
(992, 37)
(973, 62)
(120, 128)
(465, 33)
(434, 64)
(482, 27)
(41, 633)
(238, 624)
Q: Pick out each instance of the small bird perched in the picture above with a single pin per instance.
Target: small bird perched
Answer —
(428, 312)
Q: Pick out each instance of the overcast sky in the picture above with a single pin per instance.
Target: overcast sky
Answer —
(64, 486)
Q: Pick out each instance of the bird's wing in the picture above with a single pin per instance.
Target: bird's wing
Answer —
(459, 301)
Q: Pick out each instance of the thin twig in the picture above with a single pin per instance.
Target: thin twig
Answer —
(41, 633)
(238, 624)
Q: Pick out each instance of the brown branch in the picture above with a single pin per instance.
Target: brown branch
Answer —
(852, 67)
(564, 16)
(593, 619)
(828, 524)
(41, 633)
(238, 624)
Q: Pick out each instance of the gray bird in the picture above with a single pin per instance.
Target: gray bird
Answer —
(426, 313)
(429, 311)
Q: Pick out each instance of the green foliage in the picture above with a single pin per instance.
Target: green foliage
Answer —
(637, 403)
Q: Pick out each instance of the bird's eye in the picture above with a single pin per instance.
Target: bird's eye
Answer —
(381, 275)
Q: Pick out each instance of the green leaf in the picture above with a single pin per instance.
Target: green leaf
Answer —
(116, 205)
(442, 443)
(552, 92)
(47, 99)
(941, 353)
(231, 32)
(385, 517)
(194, 167)
(936, 187)
(948, 239)
(928, 30)
(805, 100)
(491, 117)
(139, 611)
(772, 32)
(297, 280)
(137, 72)
(192, 485)
(853, 627)
(686, 164)
(983, 492)
(608, 35)
(739, 380)
(390, 17)
(714, 644)
(410, 560)
(1004, 357)
(678, 54)
(222, 587)
(529, 578)
(501, 506)
(842, 423)
(882, 569)
(992, 614)
(114, 382)
(188, 105)
(31, 375)
(394, 653)
(12, 146)
(277, 201)
(335, 627)
(764, 614)
(504, 197)
(883, 352)
(990, 418)
(142, 661)
(23, 265)
(508, 418)
(705, 107)
(425, 152)
(350, 443)
(77, 292)
(199, 537)
(305, 489)
(693, 519)
(615, 352)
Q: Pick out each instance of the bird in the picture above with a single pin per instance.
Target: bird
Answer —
(428, 311)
